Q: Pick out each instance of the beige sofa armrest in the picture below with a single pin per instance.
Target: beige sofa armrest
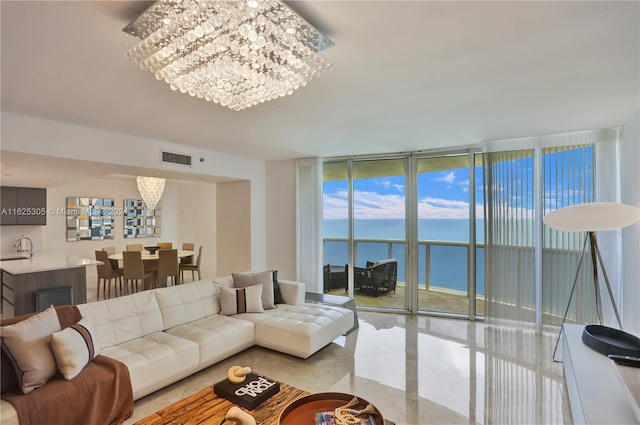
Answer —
(292, 292)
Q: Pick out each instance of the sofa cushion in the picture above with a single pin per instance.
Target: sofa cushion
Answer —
(226, 281)
(28, 345)
(123, 319)
(241, 300)
(218, 337)
(299, 330)
(385, 261)
(244, 280)
(185, 303)
(74, 347)
(155, 360)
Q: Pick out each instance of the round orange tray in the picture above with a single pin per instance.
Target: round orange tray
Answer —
(303, 410)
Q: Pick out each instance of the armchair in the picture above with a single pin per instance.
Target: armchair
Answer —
(379, 277)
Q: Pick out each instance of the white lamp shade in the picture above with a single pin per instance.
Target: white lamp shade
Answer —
(593, 217)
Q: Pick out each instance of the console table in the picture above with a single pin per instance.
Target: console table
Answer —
(597, 393)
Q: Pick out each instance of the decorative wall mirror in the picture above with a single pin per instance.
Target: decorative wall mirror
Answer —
(89, 219)
(140, 222)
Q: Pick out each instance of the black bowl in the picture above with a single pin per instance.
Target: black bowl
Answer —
(152, 249)
(607, 341)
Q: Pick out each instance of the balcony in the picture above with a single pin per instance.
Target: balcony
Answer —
(442, 285)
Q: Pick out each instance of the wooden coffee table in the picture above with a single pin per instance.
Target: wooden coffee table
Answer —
(204, 407)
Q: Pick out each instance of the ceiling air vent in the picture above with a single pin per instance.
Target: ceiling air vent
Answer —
(176, 158)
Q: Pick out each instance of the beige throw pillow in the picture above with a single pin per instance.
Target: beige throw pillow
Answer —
(74, 347)
(243, 280)
(240, 300)
(28, 345)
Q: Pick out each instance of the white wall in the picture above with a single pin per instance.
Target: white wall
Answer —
(27, 134)
(630, 153)
(234, 226)
(196, 222)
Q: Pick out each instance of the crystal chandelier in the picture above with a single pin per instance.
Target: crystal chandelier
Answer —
(150, 189)
(237, 53)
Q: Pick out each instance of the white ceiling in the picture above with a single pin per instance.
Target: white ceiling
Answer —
(406, 76)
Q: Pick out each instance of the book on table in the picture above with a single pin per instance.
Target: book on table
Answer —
(250, 393)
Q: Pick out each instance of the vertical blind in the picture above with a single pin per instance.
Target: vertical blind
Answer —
(575, 168)
(567, 180)
(509, 265)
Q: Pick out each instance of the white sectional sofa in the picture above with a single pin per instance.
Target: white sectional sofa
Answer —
(167, 334)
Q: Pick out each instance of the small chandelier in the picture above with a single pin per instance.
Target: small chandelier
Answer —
(237, 53)
(150, 189)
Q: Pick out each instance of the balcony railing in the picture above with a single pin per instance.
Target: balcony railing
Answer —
(441, 264)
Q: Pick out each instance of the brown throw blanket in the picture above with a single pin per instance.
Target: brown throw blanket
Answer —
(101, 394)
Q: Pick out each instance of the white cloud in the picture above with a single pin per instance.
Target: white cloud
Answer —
(450, 177)
(429, 207)
(374, 205)
(384, 183)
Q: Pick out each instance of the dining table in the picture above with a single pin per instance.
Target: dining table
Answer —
(147, 256)
(150, 260)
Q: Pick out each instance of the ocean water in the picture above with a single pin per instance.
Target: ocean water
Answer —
(447, 265)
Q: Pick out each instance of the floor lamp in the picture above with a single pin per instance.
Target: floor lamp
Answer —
(591, 218)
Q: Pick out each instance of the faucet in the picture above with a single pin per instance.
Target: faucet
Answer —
(18, 245)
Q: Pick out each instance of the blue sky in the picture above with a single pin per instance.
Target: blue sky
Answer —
(444, 194)
(441, 194)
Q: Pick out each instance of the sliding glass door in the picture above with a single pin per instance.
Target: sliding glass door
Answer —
(364, 227)
(379, 230)
(413, 211)
(447, 262)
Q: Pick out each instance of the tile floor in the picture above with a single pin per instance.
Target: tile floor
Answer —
(416, 370)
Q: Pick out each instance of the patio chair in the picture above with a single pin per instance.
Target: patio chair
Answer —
(379, 277)
(335, 277)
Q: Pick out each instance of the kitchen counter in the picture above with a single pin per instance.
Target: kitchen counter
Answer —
(27, 283)
(42, 261)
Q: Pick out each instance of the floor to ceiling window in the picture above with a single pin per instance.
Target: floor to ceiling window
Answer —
(388, 209)
(530, 268)
(465, 228)
(336, 228)
(568, 179)
(376, 232)
(443, 233)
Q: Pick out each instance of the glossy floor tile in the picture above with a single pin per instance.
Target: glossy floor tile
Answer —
(416, 370)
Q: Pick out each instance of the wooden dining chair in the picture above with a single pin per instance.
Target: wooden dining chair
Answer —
(106, 273)
(193, 268)
(135, 247)
(165, 245)
(168, 267)
(133, 271)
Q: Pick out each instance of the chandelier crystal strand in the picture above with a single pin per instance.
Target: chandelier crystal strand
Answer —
(150, 189)
(234, 53)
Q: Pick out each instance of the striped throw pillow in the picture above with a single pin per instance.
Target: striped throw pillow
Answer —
(241, 300)
(74, 347)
